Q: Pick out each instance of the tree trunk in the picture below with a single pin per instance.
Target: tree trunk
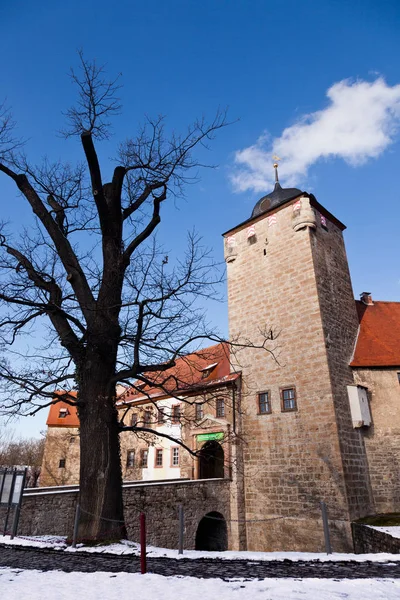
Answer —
(100, 496)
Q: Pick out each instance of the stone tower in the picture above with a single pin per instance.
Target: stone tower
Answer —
(287, 272)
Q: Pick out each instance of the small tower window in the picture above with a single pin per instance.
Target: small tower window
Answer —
(62, 413)
(264, 404)
(288, 398)
(61, 464)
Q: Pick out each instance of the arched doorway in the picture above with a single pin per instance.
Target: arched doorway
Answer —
(211, 461)
(212, 533)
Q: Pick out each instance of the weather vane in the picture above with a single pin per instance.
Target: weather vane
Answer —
(276, 159)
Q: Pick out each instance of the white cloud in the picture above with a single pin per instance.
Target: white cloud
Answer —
(359, 123)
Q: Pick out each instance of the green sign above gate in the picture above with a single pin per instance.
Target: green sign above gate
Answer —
(205, 437)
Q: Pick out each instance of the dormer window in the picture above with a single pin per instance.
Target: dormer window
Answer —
(62, 413)
(208, 370)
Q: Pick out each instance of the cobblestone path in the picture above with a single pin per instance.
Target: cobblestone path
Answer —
(21, 557)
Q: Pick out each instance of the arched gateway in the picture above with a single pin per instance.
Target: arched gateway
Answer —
(212, 533)
(211, 461)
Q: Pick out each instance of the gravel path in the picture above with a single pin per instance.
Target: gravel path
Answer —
(21, 557)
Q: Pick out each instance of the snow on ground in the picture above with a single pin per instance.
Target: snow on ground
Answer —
(16, 584)
(393, 531)
(127, 547)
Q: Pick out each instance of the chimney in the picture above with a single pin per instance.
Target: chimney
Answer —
(366, 298)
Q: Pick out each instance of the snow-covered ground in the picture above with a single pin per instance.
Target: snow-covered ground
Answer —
(16, 584)
(125, 547)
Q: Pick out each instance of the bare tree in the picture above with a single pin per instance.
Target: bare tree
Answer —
(116, 309)
(21, 453)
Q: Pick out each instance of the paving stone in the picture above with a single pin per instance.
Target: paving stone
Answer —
(44, 559)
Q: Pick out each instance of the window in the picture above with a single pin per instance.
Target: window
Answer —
(175, 457)
(160, 416)
(264, 404)
(72, 440)
(61, 464)
(130, 459)
(143, 458)
(62, 413)
(159, 457)
(288, 396)
(208, 370)
(147, 417)
(220, 407)
(134, 419)
(198, 411)
(176, 413)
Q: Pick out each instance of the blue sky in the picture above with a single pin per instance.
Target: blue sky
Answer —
(271, 64)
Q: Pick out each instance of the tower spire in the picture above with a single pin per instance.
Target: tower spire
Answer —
(276, 159)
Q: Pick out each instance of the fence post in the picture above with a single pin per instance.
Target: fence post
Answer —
(142, 543)
(17, 510)
(76, 524)
(181, 528)
(325, 523)
(13, 472)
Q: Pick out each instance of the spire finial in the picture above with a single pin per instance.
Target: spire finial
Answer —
(276, 159)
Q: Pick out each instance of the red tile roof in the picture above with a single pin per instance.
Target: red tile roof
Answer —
(378, 343)
(189, 374)
(70, 420)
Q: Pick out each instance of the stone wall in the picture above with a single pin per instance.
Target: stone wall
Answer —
(53, 512)
(340, 328)
(62, 443)
(382, 438)
(292, 460)
(368, 540)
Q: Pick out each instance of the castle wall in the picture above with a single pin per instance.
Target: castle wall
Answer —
(382, 438)
(53, 512)
(292, 460)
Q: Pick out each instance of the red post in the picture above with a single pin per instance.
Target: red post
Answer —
(142, 543)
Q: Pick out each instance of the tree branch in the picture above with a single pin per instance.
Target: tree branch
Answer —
(53, 309)
(148, 230)
(64, 249)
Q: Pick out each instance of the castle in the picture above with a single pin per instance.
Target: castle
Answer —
(318, 421)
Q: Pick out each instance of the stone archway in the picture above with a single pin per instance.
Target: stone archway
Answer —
(211, 461)
(212, 533)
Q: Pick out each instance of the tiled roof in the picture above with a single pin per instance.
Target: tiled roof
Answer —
(378, 343)
(190, 373)
(70, 420)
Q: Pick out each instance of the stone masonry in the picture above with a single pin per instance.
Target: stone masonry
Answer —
(382, 438)
(52, 512)
(297, 283)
